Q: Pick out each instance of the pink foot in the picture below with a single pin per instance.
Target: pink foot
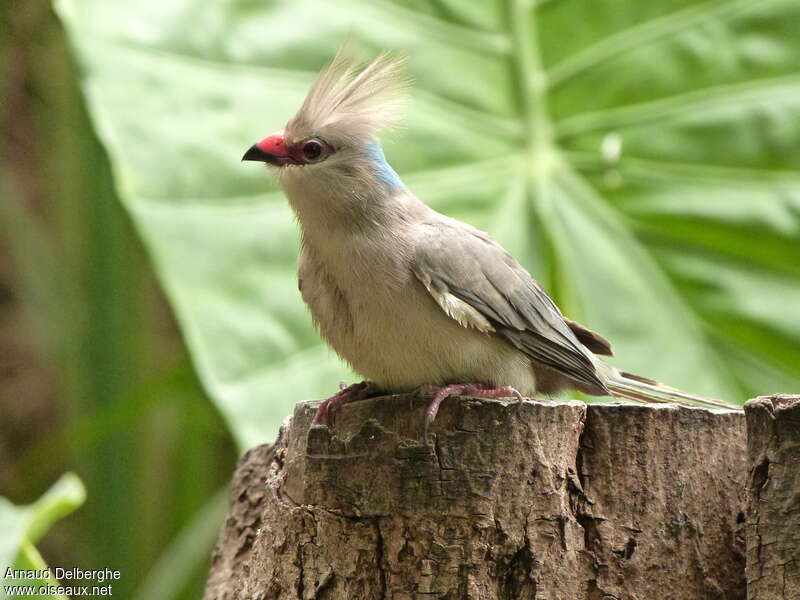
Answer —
(326, 412)
(441, 393)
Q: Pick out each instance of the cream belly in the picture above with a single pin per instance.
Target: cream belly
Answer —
(400, 338)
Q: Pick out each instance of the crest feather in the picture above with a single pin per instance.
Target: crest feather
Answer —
(352, 105)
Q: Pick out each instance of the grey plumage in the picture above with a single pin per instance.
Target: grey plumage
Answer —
(407, 296)
(466, 263)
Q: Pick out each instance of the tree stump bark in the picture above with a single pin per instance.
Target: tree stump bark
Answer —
(773, 515)
(534, 501)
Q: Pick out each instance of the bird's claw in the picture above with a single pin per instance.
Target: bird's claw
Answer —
(326, 412)
(441, 393)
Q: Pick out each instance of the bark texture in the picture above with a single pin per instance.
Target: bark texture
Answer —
(533, 501)
(773, 515)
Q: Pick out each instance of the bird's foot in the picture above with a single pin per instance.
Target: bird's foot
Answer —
(441, 393)
(326, 412)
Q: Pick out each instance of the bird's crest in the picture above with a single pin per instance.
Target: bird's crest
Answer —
(352, 104)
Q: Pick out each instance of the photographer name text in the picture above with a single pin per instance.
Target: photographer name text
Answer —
(58, 573)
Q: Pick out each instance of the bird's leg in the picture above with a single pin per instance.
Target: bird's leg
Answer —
(326, 411)
(441, 393)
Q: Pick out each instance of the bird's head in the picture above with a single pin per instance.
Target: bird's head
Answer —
(333, 135)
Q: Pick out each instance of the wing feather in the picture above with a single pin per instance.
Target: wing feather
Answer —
(479, 284)
(455, 308)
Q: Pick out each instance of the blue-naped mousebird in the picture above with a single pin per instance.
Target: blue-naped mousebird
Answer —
(410, 298)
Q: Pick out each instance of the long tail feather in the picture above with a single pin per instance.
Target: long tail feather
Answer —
(641, 389)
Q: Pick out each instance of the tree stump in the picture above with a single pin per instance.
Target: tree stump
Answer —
(773, 515)
(533, 501)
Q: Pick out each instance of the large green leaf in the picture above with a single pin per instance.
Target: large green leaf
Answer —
(640, 158)
(22, 526)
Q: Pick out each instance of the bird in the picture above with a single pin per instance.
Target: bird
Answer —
(411, 299)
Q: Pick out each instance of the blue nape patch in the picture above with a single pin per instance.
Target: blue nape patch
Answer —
(384, 171)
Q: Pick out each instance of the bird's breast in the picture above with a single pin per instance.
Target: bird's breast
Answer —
(384, 323)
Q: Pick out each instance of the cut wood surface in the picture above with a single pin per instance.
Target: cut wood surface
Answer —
(773, 516)
(547, 501)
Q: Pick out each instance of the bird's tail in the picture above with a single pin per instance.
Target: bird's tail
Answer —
(641, 389)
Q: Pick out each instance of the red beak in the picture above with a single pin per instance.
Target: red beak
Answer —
(272, 150)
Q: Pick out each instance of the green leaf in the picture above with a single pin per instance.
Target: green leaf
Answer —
(22, 526)
(639, 158)
(187, 552)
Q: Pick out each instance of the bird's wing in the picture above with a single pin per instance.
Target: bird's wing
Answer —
(591, 339)
(480, 285)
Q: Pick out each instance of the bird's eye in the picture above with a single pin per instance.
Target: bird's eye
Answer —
(313, 150)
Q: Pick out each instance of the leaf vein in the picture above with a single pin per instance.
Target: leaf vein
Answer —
(635, 37)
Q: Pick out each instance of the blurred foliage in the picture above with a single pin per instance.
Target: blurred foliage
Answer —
(637, 157)
(23, 526)
(110, 392)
